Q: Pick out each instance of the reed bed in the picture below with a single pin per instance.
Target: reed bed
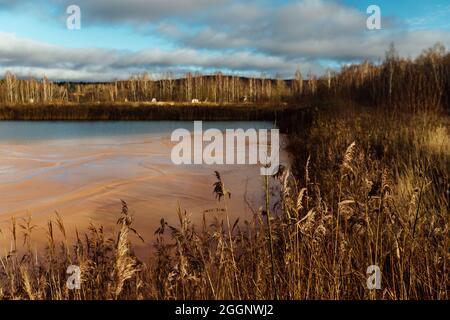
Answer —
(366, 188)
(142, 111)
(368, 185)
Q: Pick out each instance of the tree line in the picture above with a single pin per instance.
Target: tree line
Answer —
(416, 84)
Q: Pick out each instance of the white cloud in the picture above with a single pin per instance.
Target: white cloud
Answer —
(244, 36)
(27, 57)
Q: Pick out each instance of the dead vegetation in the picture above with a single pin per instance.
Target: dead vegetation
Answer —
(366, 191)
(368, 186)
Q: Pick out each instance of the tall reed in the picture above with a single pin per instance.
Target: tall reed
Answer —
(365, 188)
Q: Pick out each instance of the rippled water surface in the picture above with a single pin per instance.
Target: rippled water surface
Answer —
(83, 169)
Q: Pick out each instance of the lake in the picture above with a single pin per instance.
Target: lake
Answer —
(83, 169)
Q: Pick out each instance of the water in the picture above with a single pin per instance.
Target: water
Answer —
(25, 131)
(83, 170)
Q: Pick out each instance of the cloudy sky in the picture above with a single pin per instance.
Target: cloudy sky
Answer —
(119, 38)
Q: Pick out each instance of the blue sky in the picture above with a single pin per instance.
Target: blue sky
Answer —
(120, 38)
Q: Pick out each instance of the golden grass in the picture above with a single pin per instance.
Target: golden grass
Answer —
(366, 188)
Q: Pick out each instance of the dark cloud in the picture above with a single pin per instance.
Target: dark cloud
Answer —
(312, 29)
(243, 36)
(142, 11)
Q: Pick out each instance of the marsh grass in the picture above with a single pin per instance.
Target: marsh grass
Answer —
(142, 111)
(365, 188)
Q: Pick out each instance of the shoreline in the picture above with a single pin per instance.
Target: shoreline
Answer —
(148, 111)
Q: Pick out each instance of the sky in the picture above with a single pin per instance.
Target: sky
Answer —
(121, 38)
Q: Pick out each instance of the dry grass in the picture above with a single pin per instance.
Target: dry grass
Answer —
(368, 188)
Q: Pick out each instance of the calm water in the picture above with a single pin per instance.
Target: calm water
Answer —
(83, 169)
(15, 131)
